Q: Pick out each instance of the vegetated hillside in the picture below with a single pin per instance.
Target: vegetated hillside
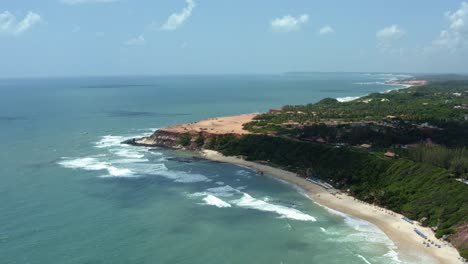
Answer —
(420, 191)
(397, 117)
(435, 102)
(425, 126)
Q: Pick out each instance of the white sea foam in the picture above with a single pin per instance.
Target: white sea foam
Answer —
(219, 183)
(182, 176)
(248, 201)
(384, 76)
(224, 191)
(127, 153)
(300, 190)
(371, 83)
(110, 141)
(323, 229)
(127, 161)
(367, 232)
(213, 200)
(93, 164)
(363, 258)
(393, 255)
(243, 172)
(84, 163)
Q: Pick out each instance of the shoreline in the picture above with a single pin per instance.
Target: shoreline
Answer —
(409, 245)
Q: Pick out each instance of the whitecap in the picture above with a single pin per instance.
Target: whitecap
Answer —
(213, 200)
(248, 201)
(183, 177)
(224, 191)
(84, 163)
(127, 153)
(93, 164)
(393, 255)
(110, 141)
(127, 161)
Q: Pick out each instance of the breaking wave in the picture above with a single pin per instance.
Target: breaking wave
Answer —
(110, 141)
(213, 200)
(92, 164)
(366, 232)
(224, 191)
(363, 258)
(248, 201)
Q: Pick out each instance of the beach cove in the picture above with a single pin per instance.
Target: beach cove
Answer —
(410, 245)
(406, 234)
(72, 193)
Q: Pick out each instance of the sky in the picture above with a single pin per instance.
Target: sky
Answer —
(41, 38)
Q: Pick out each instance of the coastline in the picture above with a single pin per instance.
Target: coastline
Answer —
(409, 245)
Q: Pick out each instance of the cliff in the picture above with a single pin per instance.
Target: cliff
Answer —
(194, 136)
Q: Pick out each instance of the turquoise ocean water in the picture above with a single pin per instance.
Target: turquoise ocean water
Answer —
(70, 193)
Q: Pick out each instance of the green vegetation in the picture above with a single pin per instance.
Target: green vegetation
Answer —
(184, 140)
(200, 141)
(455, 160)
(425, 126)
(417, 190)
(397, 117)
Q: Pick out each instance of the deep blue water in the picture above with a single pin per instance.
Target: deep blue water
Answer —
(70, 193)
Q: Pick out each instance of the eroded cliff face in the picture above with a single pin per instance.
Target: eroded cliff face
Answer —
(190, 140)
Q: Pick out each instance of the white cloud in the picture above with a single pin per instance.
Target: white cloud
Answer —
(289, 23)
(9, 25)
(388, 35)
(178, 19)
(137, 41)
(325, 30)
(76, 2)
(456, 36)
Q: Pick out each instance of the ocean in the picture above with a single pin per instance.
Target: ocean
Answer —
(71, 193)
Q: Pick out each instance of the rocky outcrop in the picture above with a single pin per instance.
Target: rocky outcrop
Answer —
(190, 140)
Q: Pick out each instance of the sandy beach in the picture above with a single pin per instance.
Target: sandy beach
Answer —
(409, 245)
(217, 125)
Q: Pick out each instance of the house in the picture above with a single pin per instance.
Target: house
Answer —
(321, 140)
(365, 146)
(427, 128)
(463, 106)
(390, 154)
(275, 111)
(292, 124)
(361, 124)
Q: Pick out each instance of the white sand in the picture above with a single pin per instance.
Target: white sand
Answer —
(410, 246)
